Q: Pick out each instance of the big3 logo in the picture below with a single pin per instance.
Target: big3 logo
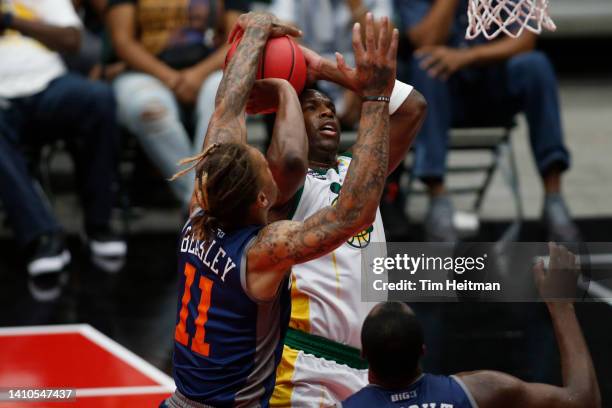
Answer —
(362, 238)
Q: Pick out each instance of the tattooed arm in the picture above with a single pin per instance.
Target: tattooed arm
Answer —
(283, 244)
(228, 123)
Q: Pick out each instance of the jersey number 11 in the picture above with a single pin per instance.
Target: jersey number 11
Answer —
(198, 345)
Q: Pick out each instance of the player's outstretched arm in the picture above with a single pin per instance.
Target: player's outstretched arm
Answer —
(405, 121)
(404, 125)
(288, 151)
(228, 123)
(580, 388)
(283, 244)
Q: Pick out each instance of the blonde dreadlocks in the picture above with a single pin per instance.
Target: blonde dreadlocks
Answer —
(226, 186)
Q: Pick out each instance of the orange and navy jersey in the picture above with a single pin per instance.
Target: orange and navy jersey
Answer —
(227, 344)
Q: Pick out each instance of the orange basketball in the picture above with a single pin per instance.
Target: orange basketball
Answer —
(281, 58)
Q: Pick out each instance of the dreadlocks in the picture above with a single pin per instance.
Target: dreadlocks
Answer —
(226, 185)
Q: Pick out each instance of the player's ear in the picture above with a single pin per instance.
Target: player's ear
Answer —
(262, 200)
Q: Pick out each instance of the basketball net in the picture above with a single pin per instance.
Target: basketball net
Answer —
(493, 17)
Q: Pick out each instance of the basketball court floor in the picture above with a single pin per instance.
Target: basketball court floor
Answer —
(98, 371)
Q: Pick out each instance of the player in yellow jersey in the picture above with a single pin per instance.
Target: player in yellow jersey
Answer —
(321, 361)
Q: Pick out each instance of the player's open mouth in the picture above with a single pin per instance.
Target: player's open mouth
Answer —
(329, 129)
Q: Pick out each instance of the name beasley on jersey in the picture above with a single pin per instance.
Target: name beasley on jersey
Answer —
(213, 256)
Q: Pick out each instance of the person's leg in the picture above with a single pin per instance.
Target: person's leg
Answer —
(205, 108)
(149, 110)
(432, 141)
(431, 150)
(532, 82)
(533, 85)
(84, 111)
(27, 211)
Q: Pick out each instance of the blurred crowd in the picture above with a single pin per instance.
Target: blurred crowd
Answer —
(91, 72)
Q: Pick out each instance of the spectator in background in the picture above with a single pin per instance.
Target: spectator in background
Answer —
(96, 58)
(475, 81)
(174, 51)
(88, 59)
(327, 26)
(39, 99)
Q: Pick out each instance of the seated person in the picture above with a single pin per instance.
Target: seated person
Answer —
(174, 51)
(40, 99)
(466, 81)
(392, 342)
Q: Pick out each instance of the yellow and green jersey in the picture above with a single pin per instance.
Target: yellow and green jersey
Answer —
(326, 292)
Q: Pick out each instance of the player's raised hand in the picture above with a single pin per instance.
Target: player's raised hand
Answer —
(559, 282)
(313, 65)
(376, 60)
(264, 20)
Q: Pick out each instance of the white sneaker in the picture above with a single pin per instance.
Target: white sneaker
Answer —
(108, 252)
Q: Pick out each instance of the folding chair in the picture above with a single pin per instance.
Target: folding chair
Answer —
(492, 138)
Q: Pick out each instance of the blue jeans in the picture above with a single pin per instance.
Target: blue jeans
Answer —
(151, 112)
(524, 83)
(83, 113)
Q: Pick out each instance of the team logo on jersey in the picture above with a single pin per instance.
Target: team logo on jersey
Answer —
(343, 164)
(362, 238)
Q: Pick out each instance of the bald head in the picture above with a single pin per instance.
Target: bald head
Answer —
(392, 342)
(391, 307)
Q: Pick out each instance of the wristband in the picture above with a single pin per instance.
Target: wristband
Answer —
(381, 98)
(400, 92)
(7, 20)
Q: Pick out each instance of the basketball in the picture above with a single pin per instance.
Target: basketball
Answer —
(281, 58)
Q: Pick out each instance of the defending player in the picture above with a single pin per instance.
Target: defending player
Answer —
(234, 305)
(321, 361)
(392, 342)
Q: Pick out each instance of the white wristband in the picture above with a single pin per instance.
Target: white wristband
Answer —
(399, 95)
